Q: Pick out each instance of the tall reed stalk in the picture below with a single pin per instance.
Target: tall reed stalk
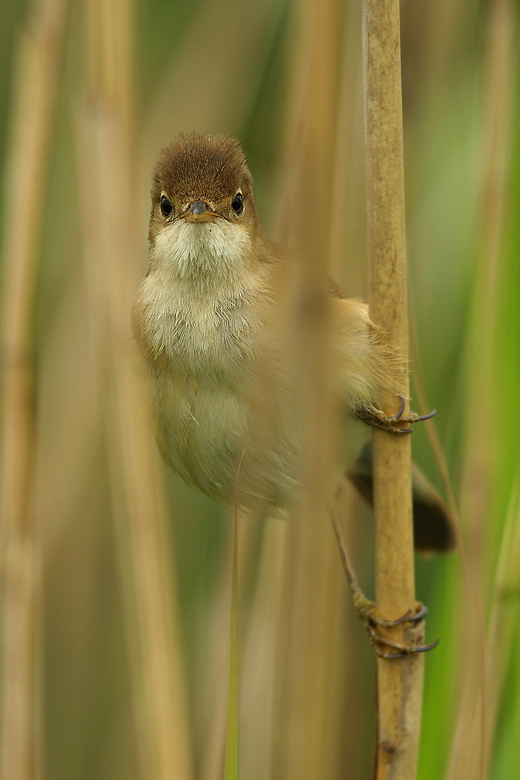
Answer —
(399, 681)
(312, 588)
(483, 678)
(114, 265)
(37, 77)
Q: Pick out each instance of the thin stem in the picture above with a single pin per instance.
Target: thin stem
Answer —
(37, 75)
(399, 681)
(112, 241)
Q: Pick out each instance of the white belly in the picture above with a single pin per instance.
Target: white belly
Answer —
(201, 430)
(202, 333)
(206, 433)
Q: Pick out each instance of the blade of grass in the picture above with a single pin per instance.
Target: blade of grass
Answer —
(231, 754)
(482, 446)
(503, 620)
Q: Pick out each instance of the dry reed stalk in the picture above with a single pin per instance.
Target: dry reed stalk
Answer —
(309, 613)
(258, 654)
(213, 677)
(399, 681)
(476, 720)
(347, 220)
(37, 75)
(215, 673)
(139, 505)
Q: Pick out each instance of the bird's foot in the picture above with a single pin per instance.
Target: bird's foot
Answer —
(392, 422)
(374, 622)
(366, 610)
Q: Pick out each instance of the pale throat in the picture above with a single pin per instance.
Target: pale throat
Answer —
(210, 255)
(198, 297)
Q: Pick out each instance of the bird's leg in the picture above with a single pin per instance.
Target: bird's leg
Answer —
(366, 610)
(392, 422)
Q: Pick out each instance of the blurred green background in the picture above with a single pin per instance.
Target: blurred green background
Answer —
(139, 73)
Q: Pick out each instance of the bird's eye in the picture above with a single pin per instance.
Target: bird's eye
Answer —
(237, 204)
(166, 206)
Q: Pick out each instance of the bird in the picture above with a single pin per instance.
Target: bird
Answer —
(214, 320)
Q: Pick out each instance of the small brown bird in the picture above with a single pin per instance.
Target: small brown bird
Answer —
(214, 319)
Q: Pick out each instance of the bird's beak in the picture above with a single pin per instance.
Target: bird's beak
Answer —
(198, 211)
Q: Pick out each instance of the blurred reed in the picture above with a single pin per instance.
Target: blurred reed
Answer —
(478, 710)
(37, 78)
(503, 624)
(108, 157)
(311, 642)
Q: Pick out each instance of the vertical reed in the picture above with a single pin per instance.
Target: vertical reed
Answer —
(312, 589)
(114, 264)
(37, 76)
(399, 681)
(483, 681)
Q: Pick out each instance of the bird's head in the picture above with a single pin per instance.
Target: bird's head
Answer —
(204, 217)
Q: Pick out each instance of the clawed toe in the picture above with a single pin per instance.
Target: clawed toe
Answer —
(366, 610)
(376, 640)
(373, 622)
(392, 422)
(422, 417)
(401, 408)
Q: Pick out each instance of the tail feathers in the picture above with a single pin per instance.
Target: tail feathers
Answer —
(434, 529)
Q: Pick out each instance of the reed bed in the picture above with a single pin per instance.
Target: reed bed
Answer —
(115, 576)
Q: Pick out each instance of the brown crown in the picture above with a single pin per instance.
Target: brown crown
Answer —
(200, 166)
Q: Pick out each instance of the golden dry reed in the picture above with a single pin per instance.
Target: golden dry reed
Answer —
(108, 154)
(399, 681)
(35, 91)
(305, 729)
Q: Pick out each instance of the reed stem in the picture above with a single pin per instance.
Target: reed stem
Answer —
(37, 75)
(114, 265)
(399, 681)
